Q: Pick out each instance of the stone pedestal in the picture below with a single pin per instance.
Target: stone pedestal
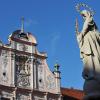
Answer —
(91, 90)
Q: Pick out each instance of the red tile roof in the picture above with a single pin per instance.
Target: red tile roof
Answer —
(74, 93)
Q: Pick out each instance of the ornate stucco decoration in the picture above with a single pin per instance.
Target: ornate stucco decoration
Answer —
(23, 70)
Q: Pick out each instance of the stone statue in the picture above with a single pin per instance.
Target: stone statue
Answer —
(89, 44)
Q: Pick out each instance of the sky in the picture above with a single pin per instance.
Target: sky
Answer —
(52, 22)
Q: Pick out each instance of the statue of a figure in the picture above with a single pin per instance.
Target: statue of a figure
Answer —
(89, 43)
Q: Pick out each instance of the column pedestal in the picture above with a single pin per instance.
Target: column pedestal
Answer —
(92, 90)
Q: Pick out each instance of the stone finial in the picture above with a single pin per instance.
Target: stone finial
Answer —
(56, 67)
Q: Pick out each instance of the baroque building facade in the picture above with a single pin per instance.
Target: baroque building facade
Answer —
(24, 73)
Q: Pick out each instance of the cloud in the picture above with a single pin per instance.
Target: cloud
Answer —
(54, 42)
(30, 22)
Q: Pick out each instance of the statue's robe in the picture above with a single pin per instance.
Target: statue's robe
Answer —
(89, 43)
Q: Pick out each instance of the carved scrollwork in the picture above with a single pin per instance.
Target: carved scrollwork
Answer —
(5, 57)
(50, 82)
(22, 97)
(23, 47)
(23, 70)
(23, 80)
(5, 61)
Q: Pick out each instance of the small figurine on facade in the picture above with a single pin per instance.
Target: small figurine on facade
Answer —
(89, 44)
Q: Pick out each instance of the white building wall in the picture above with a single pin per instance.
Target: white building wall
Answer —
(41, 79)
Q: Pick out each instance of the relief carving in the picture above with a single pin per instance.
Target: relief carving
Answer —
(5, 60)
(23, 71)
(22, 97)
(50, 82)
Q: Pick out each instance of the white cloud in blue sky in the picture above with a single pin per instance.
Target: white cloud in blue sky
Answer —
(30, 22)
(55, 38)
